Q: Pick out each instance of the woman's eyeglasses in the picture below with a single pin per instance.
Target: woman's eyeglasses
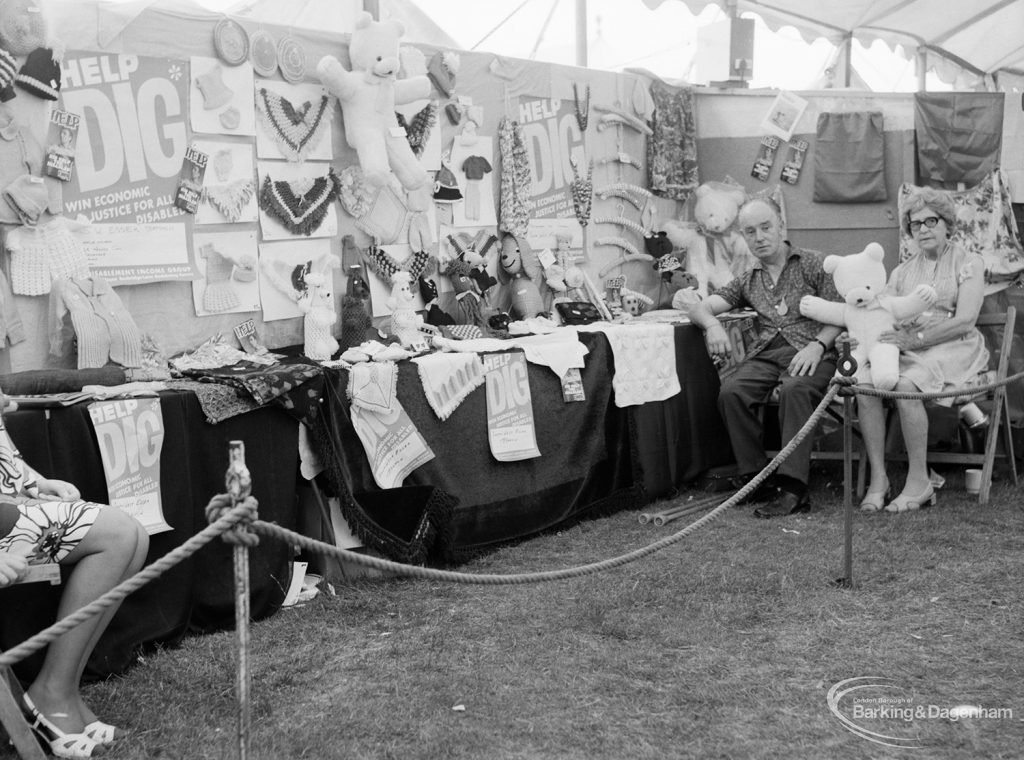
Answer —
(928, 221)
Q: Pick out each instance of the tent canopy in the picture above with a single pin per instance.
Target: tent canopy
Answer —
(982, 36)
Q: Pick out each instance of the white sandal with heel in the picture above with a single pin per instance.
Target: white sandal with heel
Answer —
(908, 502)
(874, 501)
(61, 744)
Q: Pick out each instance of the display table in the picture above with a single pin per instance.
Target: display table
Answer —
(595, 456)
(197, 593)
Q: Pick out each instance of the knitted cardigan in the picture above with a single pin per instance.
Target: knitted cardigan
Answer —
(102, 325)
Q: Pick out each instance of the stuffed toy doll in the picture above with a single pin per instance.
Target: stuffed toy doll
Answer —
(522, 274)
(405, 322)
(317, 304)
(860, 279)
(368, 95)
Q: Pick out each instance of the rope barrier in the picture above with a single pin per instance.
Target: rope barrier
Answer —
(243, 513)
(123, 589)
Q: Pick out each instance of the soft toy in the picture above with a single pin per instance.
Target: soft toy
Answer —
(866, 313)
(368, 95)
(715, 250)
(317, 304)
(405, 322)
(522, 271)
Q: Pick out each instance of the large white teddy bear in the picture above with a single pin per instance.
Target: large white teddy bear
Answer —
(866, 314)
(368, 95)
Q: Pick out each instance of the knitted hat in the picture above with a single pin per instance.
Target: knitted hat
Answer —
(657, 244)
(446, 187)
(40, 75)
(441, 70)
(8, 70)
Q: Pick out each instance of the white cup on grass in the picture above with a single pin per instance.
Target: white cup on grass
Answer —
(972, 481)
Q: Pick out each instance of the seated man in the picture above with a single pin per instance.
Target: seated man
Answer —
(791, 352)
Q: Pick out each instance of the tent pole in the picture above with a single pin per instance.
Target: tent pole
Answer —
(581, 33)
(848, 60)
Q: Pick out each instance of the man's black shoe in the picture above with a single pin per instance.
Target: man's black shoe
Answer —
(765, 492)
(786, 503)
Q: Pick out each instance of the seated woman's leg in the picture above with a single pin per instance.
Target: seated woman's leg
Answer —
(917, 490)
(871, 418)
(113, 549)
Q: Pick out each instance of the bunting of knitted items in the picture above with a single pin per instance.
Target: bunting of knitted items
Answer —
(45, 253)
(300, 214)
(384, 266)
(296, 132)
(219, 294)
(230, 199)
(516, 179)
(582, 191)
(417, 131)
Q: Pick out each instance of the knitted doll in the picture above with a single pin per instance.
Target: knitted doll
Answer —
(355, 321)
(405, 322)
(317, 304)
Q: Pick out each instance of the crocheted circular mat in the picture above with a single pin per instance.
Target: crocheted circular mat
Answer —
(231, 42)
(263, 53)
(291, 59)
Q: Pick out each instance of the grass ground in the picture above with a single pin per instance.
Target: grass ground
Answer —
(724, 645)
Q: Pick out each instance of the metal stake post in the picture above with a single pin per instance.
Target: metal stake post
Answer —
(239, 487)
(847, 366)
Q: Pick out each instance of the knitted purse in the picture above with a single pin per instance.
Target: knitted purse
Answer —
(219, 295)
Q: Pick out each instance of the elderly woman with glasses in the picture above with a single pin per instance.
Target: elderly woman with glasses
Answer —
(940, 350)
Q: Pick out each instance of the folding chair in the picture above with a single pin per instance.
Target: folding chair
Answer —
(13, 720)
(1000, 330)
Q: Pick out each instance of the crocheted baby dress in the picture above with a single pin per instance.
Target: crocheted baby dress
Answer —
(219, 294)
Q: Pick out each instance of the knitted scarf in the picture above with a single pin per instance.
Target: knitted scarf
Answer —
(516, 179)
(417, 131)
(300, 214)
(230, 199)
(295, 131)
(384, 266)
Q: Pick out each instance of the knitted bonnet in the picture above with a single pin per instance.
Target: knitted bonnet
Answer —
(40, 75)
(446, 187)
(23, 26)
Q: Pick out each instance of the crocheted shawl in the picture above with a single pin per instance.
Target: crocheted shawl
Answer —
(295, 131)
(230, 199)
(299, 213)
(516, 179)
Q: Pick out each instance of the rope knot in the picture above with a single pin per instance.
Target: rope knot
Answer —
(244, 512)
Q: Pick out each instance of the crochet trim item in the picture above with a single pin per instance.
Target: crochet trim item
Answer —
(582, 191)
(299, 213)
(516, 178)
(385, 267)
(296, 132)
(418, 129)
(230, 199)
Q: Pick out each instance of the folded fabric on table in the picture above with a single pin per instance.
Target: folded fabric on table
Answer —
(448, 378)
(217, 400)
(263, 383)
(645, 363)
